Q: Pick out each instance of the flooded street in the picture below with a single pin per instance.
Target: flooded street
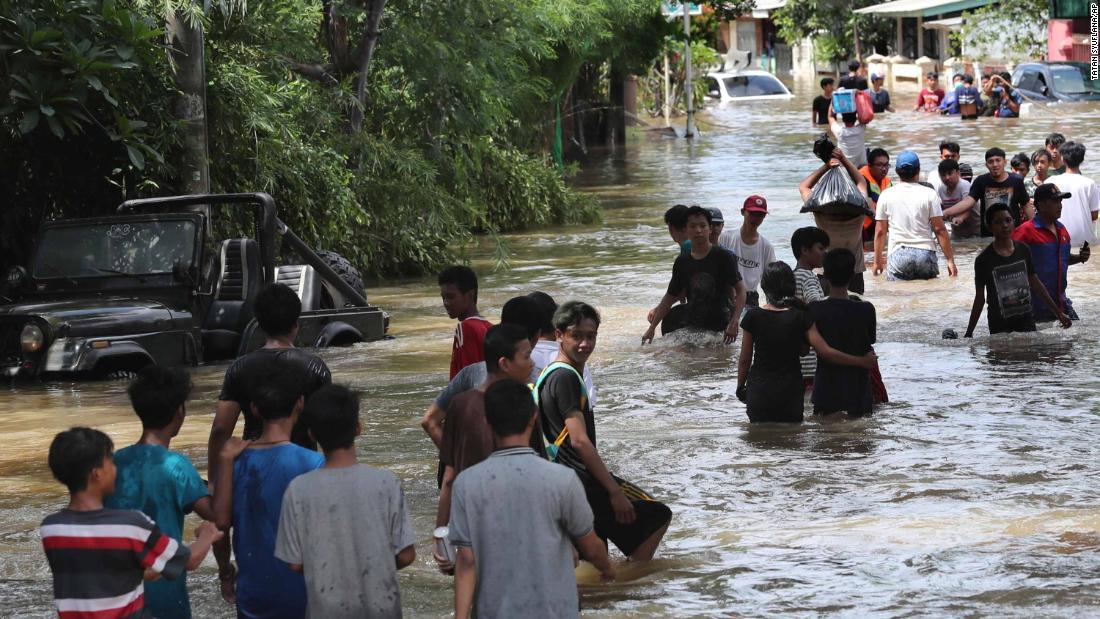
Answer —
(972, 493)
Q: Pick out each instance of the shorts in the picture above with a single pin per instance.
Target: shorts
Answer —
(909, 263)
(649, 516)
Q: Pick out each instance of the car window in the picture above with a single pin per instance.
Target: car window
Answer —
(753, 86)
(1068, 79)
(1030, 81)
(110, 249)
(713, 89)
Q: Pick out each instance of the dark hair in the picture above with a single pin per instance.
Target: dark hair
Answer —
(994, 208)
(509, 407)
(779, 287)
(949, 146)
(157, 393)
(957, 75)
(276, 388)
(875, 154)
(804, 238)
(908, 174)
(332, 414)
(1073, 153)
(75, 453)
(547, 307)
(994, 152)
(695, 210)
(1042, 152)
(1020, 160)
(854, 65)
(1055, 139)
(501, 341)
(1005, 76)
(277, 308)
(849, 117)
(968, 79)
(571, 313)
(933, 75)
(676, 216)
(948, 166)
(840, 266)
(827, 81)
(463, 277)
(524, 312)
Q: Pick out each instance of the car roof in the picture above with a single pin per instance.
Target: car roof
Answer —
(740, 73)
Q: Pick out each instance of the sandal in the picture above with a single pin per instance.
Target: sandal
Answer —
(228, 582)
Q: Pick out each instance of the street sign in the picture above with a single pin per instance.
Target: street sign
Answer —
(672, 8)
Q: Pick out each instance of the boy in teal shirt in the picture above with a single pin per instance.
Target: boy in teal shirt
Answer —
(162, 484)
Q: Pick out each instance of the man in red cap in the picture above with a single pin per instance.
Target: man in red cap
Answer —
(753, 251)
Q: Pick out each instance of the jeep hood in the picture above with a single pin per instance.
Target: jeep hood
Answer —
(101, 316)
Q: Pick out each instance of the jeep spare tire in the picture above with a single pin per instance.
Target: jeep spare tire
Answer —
(344, 269)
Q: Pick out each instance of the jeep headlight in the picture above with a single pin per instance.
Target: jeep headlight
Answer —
(31, 338)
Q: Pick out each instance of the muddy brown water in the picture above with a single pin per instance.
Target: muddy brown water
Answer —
(972, 493)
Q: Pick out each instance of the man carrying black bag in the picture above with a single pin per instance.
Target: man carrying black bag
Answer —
(845, 229)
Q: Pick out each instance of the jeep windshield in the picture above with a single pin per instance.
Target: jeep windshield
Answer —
(113, 249)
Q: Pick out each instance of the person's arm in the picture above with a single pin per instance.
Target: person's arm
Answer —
(223, 486)
(945, 244)
(1011, 101)
(406, 557)
(226, 414)
(443, 516)
(1038, 288)
(432, 422)
(807, 185)
(961, 209)
(207, 534)
(976, 307)
(465, 581)
(586, 451)
(204, 508)
(920, 101)
(881, 227)
(738, 295)
(744, 360)
(659, 314)
(593, 550)
(833, 355)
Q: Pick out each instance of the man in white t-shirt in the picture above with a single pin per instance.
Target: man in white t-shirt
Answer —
(851, 138)
(1079, 212)
(753, 251)
(951, 190)
(909, 214)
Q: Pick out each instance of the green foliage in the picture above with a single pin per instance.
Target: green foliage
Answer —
(832, 26)
(1012, 32)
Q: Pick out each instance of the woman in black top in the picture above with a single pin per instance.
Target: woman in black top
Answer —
(769, 377)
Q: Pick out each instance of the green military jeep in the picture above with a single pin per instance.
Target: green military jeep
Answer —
(156, 284)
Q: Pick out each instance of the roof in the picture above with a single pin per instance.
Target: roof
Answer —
(920, 8)
(951, 23)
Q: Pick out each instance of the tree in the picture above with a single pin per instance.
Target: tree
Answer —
(832, 26)
(1010, 32)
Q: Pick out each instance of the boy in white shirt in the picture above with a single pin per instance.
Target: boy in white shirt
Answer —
(1079, 212)
(753, 251)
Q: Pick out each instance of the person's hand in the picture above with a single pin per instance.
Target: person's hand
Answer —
(879, 267)
(1084, 253)
(650, 315)
(647, 337)
(868, 361)
(445, 567)
(209, 530)
(731, 332)
(608, 573)
(1065, 321)
(952, 270)
(624, 509)
(742, 394)
(233, 448)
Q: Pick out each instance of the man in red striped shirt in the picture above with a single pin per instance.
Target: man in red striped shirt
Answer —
(100, 558)
(458, 289)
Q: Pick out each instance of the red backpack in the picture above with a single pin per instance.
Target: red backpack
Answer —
(865, 110)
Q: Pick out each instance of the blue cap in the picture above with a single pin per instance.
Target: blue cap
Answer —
(907, 159)
(875, 77)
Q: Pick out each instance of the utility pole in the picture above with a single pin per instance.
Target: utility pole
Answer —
(689, 93)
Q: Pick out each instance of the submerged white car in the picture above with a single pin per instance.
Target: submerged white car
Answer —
(745, 85)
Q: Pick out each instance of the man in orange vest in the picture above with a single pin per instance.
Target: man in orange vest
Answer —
(878, 165)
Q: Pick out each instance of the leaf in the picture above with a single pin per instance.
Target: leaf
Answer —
(46, 109)
(55, 127)
(29, 122)
(94, 82)
(136, 157)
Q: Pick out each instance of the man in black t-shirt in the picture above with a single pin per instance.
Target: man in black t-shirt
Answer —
(995, 187)
(709, 278)
(824, 101)
(1005, 276)
(854, 80)
(623, 513)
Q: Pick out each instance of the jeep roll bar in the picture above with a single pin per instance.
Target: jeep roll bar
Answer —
(270, 225)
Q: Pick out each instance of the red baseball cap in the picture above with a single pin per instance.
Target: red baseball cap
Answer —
(756, 204)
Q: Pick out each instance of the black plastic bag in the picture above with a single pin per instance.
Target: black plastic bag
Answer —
(824, 147)
(836, 194)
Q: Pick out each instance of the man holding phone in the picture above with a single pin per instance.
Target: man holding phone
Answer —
(1003, 96)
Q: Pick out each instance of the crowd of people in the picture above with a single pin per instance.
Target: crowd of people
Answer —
(525, 491)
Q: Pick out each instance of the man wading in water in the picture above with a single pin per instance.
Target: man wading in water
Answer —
(709, 278)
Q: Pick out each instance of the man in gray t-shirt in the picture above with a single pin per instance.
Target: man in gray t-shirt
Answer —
(345, 525)
(514, 520)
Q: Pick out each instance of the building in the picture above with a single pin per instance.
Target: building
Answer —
(1068, 30)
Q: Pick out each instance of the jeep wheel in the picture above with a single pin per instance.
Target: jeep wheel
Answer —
(344, 269)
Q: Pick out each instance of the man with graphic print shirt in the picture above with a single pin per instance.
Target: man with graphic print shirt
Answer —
(1005, 274)
(995, 187)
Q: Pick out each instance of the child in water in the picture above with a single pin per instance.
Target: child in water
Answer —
(769, 377)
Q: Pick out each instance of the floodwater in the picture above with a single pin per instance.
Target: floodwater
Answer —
(972, 493)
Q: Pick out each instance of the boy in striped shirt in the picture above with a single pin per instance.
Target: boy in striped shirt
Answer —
(100, 558)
